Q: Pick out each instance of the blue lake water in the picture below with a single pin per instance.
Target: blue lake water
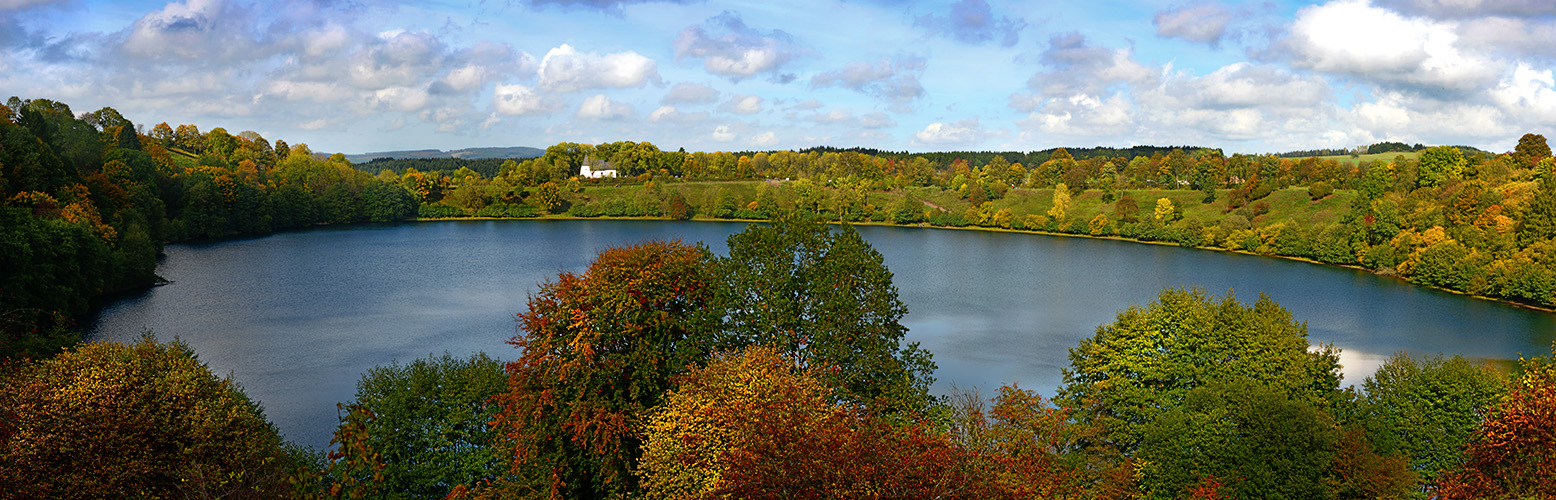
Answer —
(296, 318)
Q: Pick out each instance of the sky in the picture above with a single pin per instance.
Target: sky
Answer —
(716, 75)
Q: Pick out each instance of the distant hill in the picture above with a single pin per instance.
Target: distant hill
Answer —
(466, 154)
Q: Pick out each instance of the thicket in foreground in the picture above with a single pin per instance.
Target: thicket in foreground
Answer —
(143, 420)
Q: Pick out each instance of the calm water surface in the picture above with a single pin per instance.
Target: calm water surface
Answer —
(296, 318)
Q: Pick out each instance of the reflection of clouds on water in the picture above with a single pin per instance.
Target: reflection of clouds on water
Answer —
(1356, 365)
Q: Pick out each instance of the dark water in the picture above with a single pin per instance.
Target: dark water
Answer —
(296, 318)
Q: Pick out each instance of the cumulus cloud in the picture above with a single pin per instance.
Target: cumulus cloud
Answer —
(731, 49)
(959, 133)
(836, 116)
(763, 139)
(601, 107)
(207, 31)
(1203, 23)
(722, 133)
(601, 5)
(742, 105)
(1076, 67)
(565, 69)
(518, 100)
(895, 79)
(876, 120)
(1512, 37)
(668, 114)
(690, 93)
(1460, 9)
(1244, 85)
(1353, 38)
(973, 22)
(397, 59)
(846, 118)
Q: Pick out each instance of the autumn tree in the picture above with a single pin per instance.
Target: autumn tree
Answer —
(1513, 453)
(143, 420)
(1061, 203)
(752, 425)
(825, 298)
(598, 351)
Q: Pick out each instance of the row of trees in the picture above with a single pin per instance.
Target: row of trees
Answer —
(86, 204)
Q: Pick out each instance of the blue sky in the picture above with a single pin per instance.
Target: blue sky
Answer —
(370, 75)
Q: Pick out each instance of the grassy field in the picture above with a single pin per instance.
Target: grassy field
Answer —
(1291, 204)
(1374, 157)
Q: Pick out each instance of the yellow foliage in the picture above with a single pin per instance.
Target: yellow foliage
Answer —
(690, 436)
(1098, 225)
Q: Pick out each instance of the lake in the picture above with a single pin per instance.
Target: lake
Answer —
(296, 318)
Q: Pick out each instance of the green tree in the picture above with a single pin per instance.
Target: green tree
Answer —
(827, 299)
(1531, 149)
(1144, 364)
(1440, 164)
(1259, 439)
(428, 428)
(387, 201)
(1426, 409)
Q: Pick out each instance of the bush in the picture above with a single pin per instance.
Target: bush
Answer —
(1318, 190)
(438, 211)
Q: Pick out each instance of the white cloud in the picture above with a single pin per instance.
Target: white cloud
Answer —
(1528, 93)
(601, 107)
(833, 117)
(972, 21)
(722, 133)
(808, 104)
(614, 6)
(1244, 85)
(197, 31)
(895, 80)
(1354, 38)
(397, 59)
(876, 120)
(763, 139)
(668, 114)
(1451, 9)
(690, 93)
(403, 99)
(565, 69)
(742, 105)
(959, 133)
(518, 100)
(1200, 22)
(731, 49)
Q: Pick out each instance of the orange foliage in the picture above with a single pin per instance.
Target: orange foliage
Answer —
(1514, 451)
(599, 350)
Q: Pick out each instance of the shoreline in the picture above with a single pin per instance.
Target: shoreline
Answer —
(921, 225)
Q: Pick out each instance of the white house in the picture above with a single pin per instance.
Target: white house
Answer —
(588, 170)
